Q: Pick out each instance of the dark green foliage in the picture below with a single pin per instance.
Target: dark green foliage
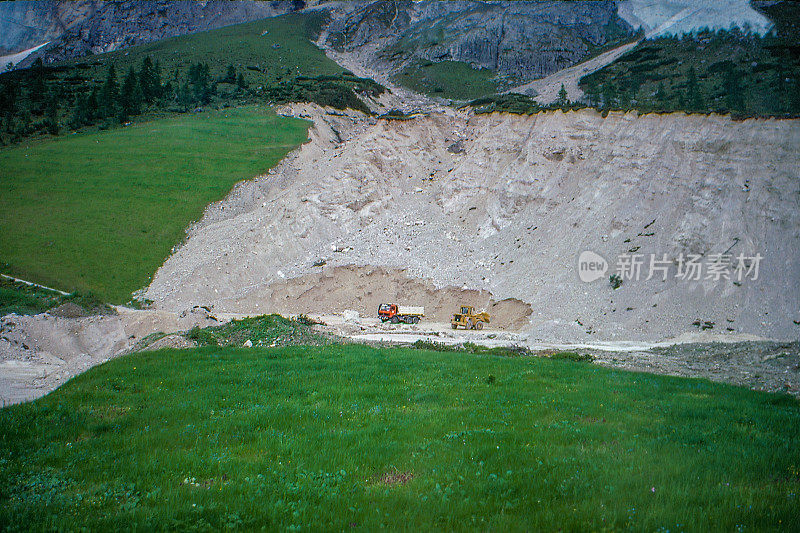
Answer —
(563, 100)
(37, 87)
(610, 95)
(9, 94)
(615, 280)
(241, 83)
(274, 57)
(264, 330)
(338, 92)
(109, 95)
(87, 111)
(51, 113)
(23, 299)
(184, 96)
(150, 80)
(573, 356)
(519, 104)
(130, 97)
(230, 75)
(694, 96)
(722, 72)
(199, 83)
(592, 93)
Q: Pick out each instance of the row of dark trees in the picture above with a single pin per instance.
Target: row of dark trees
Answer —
(144, 89)
(41, 99)
(115, 101)
(739, 73)
(692, 96)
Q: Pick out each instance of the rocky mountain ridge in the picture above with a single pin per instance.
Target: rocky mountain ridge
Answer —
(93, 26)
(519, 40)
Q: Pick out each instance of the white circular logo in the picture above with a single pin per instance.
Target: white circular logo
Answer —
(591, 266)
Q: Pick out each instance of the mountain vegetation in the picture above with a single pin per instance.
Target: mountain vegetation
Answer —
(721, 72)
(268, 61)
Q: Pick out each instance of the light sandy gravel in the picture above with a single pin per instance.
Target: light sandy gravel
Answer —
(505, 204)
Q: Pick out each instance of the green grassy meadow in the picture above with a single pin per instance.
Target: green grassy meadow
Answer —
(448, 79)
(353, 437)
(262, 62)
(100, 212)
(265, 51)
(24, 299)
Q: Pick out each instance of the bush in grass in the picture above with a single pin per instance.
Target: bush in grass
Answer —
(203, 337)
(573, 356)
(263, 330)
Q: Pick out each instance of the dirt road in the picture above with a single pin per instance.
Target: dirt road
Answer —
(40, 353)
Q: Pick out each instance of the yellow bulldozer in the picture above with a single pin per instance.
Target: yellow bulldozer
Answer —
(469, 319)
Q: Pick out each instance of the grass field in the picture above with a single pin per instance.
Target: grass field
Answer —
(448, 79)
(24, 299)
(274, 57)
(100, 212)
(265, 51)
(352, 437)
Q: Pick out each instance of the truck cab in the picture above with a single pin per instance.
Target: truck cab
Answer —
(399, 313)
(387, 311)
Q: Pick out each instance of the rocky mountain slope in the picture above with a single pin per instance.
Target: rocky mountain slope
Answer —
(677, 17)
(95, 26)
(26, 24)
(505, 204)
(519, 40)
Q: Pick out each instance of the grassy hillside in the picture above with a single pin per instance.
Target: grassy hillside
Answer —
(99, 212)
(351, 437)
(265, 51)
(448, 79)
(268, 61)
(23, 299)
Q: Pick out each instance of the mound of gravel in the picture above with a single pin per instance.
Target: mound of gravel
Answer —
(69, 310)
(510, 213)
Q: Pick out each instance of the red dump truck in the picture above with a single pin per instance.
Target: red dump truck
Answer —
(400, 313)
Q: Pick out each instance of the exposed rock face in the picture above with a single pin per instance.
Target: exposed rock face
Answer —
(91, 27)
(678, 17)
(26, 24)
(522, 40)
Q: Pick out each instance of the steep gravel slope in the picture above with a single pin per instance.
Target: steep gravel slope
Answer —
(505, 204)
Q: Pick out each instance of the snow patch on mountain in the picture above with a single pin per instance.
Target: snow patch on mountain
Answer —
(677, 17)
